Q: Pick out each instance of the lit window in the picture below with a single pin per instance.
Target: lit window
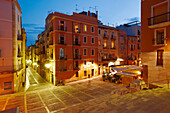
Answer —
(85, 52)
(160, 57)
(85, 27)
(62, 25)
(112, 44)
(92, 40)
(105, 43)
(99, 42)
(76, 28)
(92, 29)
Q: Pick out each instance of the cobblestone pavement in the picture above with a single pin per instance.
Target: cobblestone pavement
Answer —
(94, 96)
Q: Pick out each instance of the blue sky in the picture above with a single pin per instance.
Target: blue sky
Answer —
(114, 12)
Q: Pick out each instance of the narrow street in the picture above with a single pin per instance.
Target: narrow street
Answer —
(35, 81)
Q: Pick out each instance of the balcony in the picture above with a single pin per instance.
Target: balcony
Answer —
(62, 58)
(77, 31)
(77, 43)
(61, 42)
(76, 68)
(51, 29)
(77, 57)
(113, 37)
(105, 36)
(159, 41)
(105, 47)
(62, 69)
(159, 20)
(62, 28)
(113, 48)
(19, 37)
(20, 55)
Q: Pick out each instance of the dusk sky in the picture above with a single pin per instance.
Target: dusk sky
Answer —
(114, 12)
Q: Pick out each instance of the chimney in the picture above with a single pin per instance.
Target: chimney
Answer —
(88, 13)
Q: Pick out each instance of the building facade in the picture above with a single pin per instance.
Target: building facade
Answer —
(68, 47)
(133, 30)
(12, 47)
(107, 48)
(155, 39)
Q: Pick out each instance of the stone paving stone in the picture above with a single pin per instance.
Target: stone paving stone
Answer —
(39, 110)
(51, 101)
(34, 105)
(34, 100)
(56, 106)
(70, 102)
(83, 97)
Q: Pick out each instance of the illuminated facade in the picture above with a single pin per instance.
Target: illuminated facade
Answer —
(107, 47)
(155, 35)
(12, 47)
(68, 47)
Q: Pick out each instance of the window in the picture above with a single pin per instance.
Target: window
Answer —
(160, 36)
(112, 44)
(85, 52)
(99, 42)
(131, 47)
(92, 40)
(85, 40)
(61, 39)
(61, 25)
(128, 38)
(0, 53)
(8, 85)
(122, 38)
(92, 29)
(134, 47)
(92, 52)
(92, 62)
(85, 27)
(85, 73)
(105, 43)
(160, 57)
(76, 28)
(77, 74)
(99, 31)
(132, 40)
(61, 52)
(84, 62)
(122, 46)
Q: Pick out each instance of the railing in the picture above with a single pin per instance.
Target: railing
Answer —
(77, 31)
(77, 43)
(113, 37)
(62, 28)
(159, 41)
(105, 47)
(105, 36)
(62, 58)
(113, 48)
(61, 42)
(159, 19)
(19, 37)
(63, 69)
(77, 57)
(76, 68)
(51, 29)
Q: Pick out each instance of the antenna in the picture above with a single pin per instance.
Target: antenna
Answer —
(76, 8)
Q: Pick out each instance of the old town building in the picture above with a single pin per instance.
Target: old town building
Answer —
(155, 31)
(133, 30)
(107, 48)
(12, 47)
(68, 47)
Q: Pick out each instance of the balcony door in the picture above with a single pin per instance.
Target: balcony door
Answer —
(76, 40)
(76, 53)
